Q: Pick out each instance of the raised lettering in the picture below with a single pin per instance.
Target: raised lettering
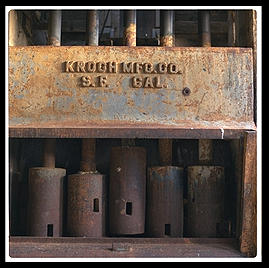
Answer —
(68, 66)
(112, 67)
(138, 67)
(102, 81)
(80, 66)
(158, 82)
(162, 67)
(172, 68)
(127, 67)
(148, 68)
(90, 66)
(148, 82)
(85, 81)
(101, 67)
(136, 82)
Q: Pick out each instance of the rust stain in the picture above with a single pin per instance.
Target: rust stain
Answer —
(147, 91)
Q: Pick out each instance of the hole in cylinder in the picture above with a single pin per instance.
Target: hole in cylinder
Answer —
(129, 208)
(95, 205)
(50, 230)
(167, 229)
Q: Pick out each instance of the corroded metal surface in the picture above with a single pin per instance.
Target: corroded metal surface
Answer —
(127, 190)
(165, 202)
(86, 205)
(205, 213)
(45, 201)
(248, 226)
(61, 87)
(22, 247)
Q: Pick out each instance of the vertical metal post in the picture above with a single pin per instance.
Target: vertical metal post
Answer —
(167, 28)
(129, 38)
(49, 153)
(204, 27)
(92, 28)
(54, 28)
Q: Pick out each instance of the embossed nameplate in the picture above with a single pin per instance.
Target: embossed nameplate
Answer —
(80, 86)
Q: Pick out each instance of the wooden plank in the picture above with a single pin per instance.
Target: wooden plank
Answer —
(248, 237)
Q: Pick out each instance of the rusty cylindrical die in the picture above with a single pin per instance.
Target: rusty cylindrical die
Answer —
(45, 201)
(86, 205)
(165, 201)
(127, 190)
(205, 200)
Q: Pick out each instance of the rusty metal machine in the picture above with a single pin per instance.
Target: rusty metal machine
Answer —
(119, 110)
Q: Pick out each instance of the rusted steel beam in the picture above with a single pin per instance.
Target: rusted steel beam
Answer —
(55, 27)
(53, 87)
(127, 190)
(92, 28)
(114, 130)
(165, 202)
(129, 36)
(248, 237)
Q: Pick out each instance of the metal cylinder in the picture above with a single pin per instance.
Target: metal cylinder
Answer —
(129, 38)
(167, 28)
(127, 190)
(86, 205)
(165, 202)
(45, 193)
(92, 28)
(205, 212)
(55, 27)
(204, 27)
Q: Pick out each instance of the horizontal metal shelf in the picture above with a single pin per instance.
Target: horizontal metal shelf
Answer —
(112, 247)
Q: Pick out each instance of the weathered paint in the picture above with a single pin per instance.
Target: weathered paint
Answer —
(41, 94)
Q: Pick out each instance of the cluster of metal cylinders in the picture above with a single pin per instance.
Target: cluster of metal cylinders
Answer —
(135, 200)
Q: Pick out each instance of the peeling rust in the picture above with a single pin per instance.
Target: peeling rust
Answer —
(42, 94)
